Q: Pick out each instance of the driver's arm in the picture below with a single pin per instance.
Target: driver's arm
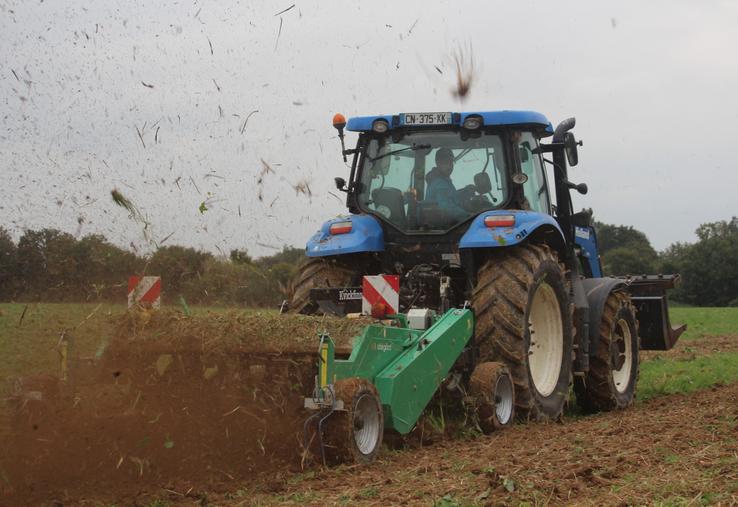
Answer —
(447, 199)
(466, 193)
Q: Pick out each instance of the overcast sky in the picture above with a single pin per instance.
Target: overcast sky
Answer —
(652, 85)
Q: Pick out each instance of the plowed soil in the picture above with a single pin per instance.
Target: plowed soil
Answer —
(208, 411)
(675, 449)
(173, 400)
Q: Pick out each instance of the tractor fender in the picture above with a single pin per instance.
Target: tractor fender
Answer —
(366, 235)
(528, 225)
(597, 290)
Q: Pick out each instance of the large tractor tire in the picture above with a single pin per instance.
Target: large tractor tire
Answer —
(611, 381)
(355, 433)
(523, 319)
(317, 272)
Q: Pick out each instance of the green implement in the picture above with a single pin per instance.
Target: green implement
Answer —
(393, 370)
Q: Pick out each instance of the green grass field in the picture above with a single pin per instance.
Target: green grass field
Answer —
(29, 345)
(706, 321)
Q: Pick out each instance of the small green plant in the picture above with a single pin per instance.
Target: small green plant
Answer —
(671, 459)
(298, 478)
(459, 465)
(370, 492)
(437, 424)
(507, 483)
(446, 501)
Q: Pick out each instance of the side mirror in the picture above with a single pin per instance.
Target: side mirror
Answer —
(570, 146)
(581, 187)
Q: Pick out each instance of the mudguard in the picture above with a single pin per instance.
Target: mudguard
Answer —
(366, 235)
(597, 290)
(526, 223)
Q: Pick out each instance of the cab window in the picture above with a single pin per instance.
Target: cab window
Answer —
(536, 188)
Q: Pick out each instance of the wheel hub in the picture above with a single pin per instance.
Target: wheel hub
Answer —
(546, 349)
(366, 424)
(617, 353)
(621, 355)
(503, 399)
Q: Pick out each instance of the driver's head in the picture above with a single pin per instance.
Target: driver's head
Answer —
(445, 161)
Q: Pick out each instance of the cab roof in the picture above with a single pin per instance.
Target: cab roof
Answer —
(496, 118)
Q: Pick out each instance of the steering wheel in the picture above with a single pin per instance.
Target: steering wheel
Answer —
(477, 203)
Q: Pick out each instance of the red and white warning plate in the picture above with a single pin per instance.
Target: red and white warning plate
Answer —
(144, 291)
(380, 295)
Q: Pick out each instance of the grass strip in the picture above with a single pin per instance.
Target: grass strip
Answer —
(662, 376)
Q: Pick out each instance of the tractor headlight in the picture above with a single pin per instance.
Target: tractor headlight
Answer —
(472, 123)
(380, 126)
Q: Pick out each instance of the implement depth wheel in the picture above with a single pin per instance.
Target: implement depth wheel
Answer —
(611, 381)
(523, 319)
(491, 388)
(355, 434)
(314, 273)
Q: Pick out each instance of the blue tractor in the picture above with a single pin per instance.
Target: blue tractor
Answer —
(459, 206)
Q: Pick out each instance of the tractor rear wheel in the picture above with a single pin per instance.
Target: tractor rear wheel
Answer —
(523, 319)
(492, 392)
(611, 381)
(317, 272)
(355, 433)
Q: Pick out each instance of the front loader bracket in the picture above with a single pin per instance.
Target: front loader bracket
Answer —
(648, 293)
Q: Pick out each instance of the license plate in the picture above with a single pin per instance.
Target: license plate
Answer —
(426, 119)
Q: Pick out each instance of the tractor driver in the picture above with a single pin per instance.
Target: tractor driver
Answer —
(441, 189)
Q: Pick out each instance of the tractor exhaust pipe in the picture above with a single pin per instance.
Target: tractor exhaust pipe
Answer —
(562, 128)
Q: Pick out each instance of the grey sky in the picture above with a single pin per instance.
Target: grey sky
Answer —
(652, 85)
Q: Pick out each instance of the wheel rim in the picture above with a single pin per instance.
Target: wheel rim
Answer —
(367, 425)
(622, 355)
(503, 399)
(546, 349)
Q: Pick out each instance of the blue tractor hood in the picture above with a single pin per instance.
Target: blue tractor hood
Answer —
(479, 235)
(366, 235)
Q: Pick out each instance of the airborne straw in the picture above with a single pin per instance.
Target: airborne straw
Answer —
(136, 215)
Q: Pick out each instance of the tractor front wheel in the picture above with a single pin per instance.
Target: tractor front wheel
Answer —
(523, 319)
(611, 381)
(355, 433)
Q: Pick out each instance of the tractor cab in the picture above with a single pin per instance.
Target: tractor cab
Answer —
(427, 173)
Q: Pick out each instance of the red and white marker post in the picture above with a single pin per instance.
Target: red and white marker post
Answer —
(380, 295)
(144, 291)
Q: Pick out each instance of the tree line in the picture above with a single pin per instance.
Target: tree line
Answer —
(709, 266)
(53, 266)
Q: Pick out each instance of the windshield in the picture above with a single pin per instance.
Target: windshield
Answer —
(428, 181)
